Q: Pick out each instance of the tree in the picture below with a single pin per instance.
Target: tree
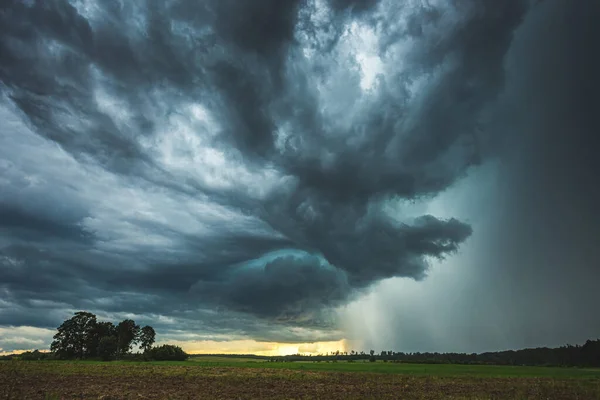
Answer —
(146, 338)
(127, 333)
(73, 336)
(372, 358)
(590, 353)
(99, 331)
(32, 355)
(107, 348)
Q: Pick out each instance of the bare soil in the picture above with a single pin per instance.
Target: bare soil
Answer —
(53, 382)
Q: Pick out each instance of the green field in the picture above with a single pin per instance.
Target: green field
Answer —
(401, 368)
(446, 370)
(240, 378)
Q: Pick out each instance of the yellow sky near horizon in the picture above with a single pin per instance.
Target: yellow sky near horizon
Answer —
(249, 346)
(245, 346)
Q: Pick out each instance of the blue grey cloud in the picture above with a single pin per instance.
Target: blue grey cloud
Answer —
(235, 157)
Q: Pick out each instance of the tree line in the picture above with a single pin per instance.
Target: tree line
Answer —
(586, 355)
(84, 337)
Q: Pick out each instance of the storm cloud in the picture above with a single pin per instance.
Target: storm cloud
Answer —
(239, 167)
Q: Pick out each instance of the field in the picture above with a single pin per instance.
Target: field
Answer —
(226, 378)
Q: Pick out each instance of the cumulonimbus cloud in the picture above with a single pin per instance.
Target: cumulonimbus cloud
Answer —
(191, 140)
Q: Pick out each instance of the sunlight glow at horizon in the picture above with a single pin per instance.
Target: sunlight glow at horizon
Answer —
(259, 348)
(246, 346)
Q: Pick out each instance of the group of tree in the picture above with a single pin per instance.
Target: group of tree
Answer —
(84, 337)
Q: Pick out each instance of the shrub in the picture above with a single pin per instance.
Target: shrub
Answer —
(33, 356)
(167, 352)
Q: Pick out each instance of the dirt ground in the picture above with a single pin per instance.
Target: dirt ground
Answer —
(256, 383)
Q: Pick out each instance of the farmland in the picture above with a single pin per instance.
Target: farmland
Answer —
(226, 378)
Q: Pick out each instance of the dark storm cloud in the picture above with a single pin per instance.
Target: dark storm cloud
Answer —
(285, 287)
(33, 316)
(194, 139)
(357, 6)
(21, 223)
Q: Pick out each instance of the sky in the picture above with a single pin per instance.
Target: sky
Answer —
(276, 177)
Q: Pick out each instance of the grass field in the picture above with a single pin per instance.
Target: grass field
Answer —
(227, 378)
(411, 369)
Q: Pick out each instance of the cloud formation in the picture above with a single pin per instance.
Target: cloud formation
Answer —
(204, 161)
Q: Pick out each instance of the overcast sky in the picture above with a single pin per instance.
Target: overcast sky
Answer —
(302, 175)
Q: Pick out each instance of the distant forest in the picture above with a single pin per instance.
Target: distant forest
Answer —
(587, 355)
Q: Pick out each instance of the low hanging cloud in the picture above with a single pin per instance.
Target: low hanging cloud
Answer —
(234, 156)
(299, 284)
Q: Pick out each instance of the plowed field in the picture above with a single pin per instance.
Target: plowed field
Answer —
(64, 380)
